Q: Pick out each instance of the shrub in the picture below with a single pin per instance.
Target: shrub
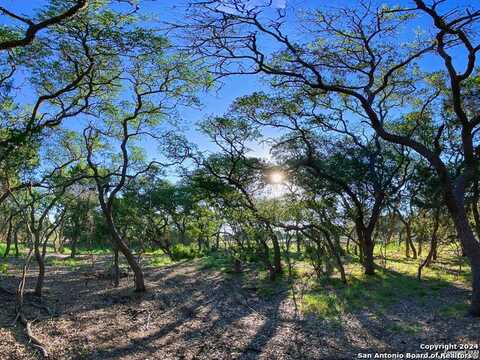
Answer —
(181, 251)
(3, 268)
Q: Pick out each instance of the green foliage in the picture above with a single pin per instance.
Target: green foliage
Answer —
(376, 294)
(3, 268)
(325, 306)
(218, 261)
(181, 251)
(66, 262)
(158, 258)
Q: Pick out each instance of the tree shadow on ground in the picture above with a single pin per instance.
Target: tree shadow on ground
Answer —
(391, 311)
(190, 312)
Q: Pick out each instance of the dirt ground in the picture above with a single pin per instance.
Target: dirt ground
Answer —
(190, 312)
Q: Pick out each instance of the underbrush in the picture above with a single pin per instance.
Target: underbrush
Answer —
(3, 268)
(395, 283)
(181, 252)
(157, 258)
(218, 260)
(68, 262)
(375, 293)
(98, 250)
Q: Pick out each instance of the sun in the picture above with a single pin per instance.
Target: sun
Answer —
(277, 177)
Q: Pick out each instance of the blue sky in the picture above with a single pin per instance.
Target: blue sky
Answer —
(213, 102)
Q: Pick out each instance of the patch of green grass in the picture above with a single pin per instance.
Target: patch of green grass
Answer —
(455, 310)
(324, 305)
(3, 268)
(404, 328)
(380, 290)
(154, 252)
(392, 247)
(449, 268)
(329, 297)
(101, 250)
(68, 262)
(373, 293)
(218, 261)
(159, 260)
(181, 251)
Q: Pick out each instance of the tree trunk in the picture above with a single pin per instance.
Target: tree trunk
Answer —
(123, 248)
(9, 238)
(15, 241)
(41, 266)
(277, 256)
(409, 239)
(337, 254)
(73, 246)
(433, 245)
(475, 212)
(217, 240)
(407, 244)
(472, 250)
(116, 269)
(266, 257)
(366, 248)
(434, 252)
(469, 243)
(298, 240)
(368, 260)
(475, 305)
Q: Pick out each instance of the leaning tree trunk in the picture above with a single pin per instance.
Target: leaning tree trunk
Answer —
(124, 249)
(469, 243)
(472, 250)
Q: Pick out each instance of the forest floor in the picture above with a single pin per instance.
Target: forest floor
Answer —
(194, 310)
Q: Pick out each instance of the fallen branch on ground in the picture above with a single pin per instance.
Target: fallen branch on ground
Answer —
(34, 340)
